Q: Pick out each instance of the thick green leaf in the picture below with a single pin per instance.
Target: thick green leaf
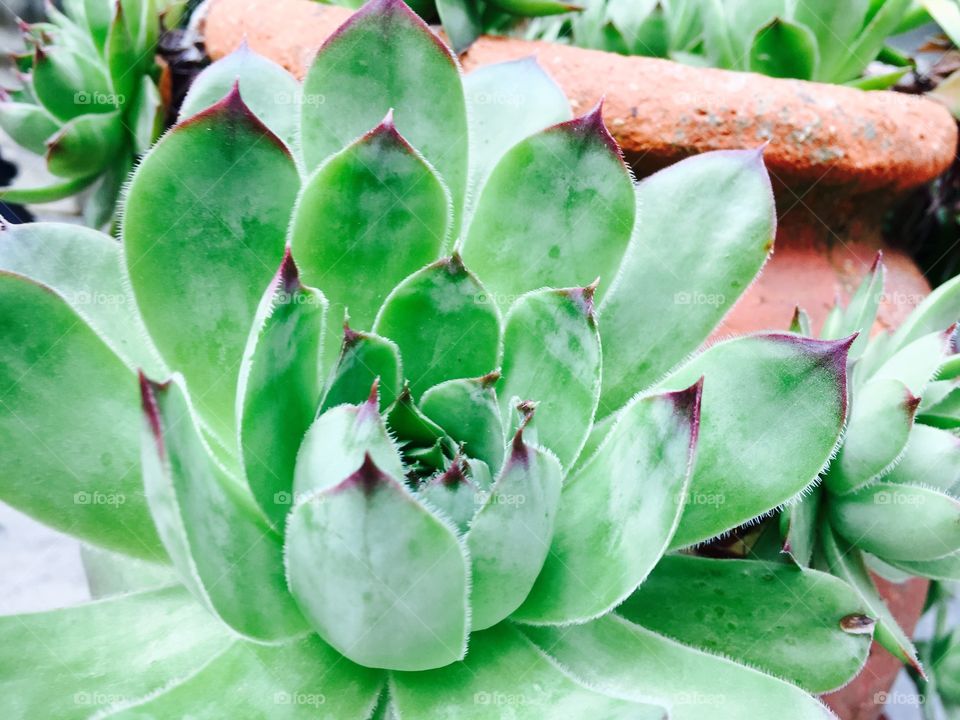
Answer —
(222, 548)
(615, 656)
(945, 413)
(870, 41)
(367, 218)
(508, 102)
(876, 435)
(535, 8)
(98, 14)
(364, 357)
(510, 537)
(379, 576)
(359, 77)
(834, 25)
(556, 211)
(552, 357)
(46, 193)
(784, 49)
(203, 237)
(458, 493)
(801, 625)
(444, 324)
(408, 423)
(622, 506)
(122, 56)
(146, 115)
(773, 410)
(945, 569)
(461, 22)
(279, 387)
(505, 676)
(467, 410)
(798, 527)
(940, 309)
(336, 444)
(69, 84)
(932, 458)
(846, 562)
(68, 424)
(30, 126)
(899, 522)
(84, 145)
(108, 573)
(104, 652)
(86, 268)
(269, 91)
(718, 209)
(800, 323)
(917, 363)
(305, 680)
(861, 312)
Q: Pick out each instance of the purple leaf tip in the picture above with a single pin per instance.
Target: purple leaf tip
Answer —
(368, 476)
(148, 399)
(877, 261)
(350, 337)
(288, 275)
(591, 125)
(687, 404)
(489, 380)
(372, 402)
(453, 476)
(518, 448)
(911, 402)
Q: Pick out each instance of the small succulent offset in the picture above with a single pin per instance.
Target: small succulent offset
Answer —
(890, 500)
(467, 502)
(819, 40)
(939, 688)
(88, 100)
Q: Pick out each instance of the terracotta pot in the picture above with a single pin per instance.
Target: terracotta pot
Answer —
(839, 158)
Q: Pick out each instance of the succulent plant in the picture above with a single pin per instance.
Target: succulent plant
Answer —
(447, 508)
(889, 500)
(937, 692)
(88, 101)
(818, 40)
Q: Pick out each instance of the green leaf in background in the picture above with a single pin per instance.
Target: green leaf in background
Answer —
(165, 634)
(68, 424)
(352, 552)
(507, 102)
(798, 527)
(46, 193)
(355, 66)
(846, 562)
(624, 506)
(199, 201)
(785, 50)
(279, 387)
(718, 210)
(366, 219)
(510, 537)
(937, 311)
(861, 312)
(876, 435)
(461, 22)
(615, 656)
(504, 673)
(84, 144)
(899, 522)
(30, 126)
(779, 618)
(442, 320)
(551, 341)
(271, 93)
(932, 458)
(832, 23)
(69, 84)
(564, 199)
(916, 363)
(871, 39)
(224, 551)
(772, 413)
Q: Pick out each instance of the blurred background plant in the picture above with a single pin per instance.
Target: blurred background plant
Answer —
(82, 91)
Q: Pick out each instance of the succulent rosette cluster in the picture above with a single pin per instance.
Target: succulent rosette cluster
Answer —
(890, 500)
(87, 99)
(421, 429)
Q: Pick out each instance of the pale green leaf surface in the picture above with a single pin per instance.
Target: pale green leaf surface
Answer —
(30, 126)
(504, 674)
(552, 357)
(615, 656)
(784, 49)
(69, 424)
(202, 240)
(772, 413)
(379, 576)
(222, 548)
(717, 209)
(467, 410)
(932, 458)
(622, 506)
(363, 358)
(778, 618)
(939, 310)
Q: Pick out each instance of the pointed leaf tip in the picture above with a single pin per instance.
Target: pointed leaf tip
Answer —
(687, 403)
(367, 477)
(148, 399)
(518, 449)
(288, 274)
(911, 403)
(591, 124)
(877, 261)
(487, 381)
(454, 475)
(373, 399)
